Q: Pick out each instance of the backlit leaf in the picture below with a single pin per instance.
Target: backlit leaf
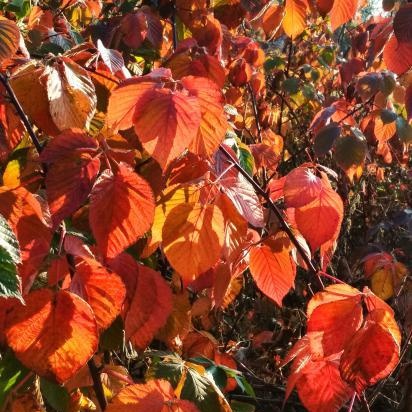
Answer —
(9, 258)
(213, 122)
(54, 334)
(193, 238)
(342, 11)
(370, 355)
(294, 21)
(301, 187)
(319, 220)
(121, 209)
(74, 167)
(25, 216)
(327, 311)
(397, 56)
(272, 270)
(321, 387)
(103, 291)
(166, 123)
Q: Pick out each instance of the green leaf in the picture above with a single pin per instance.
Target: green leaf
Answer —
(56, 395)
(11, 373)
(198, 388)
(112, 338)
(388, 116)
(404, 130)
(350, 151)
(245, 385)
(238, 406)
(219, 376)
(19, 7)
(291, 85)
(246, 158)
(9, 258)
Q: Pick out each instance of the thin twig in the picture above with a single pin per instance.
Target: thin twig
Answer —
(10, 93)
(284, 225)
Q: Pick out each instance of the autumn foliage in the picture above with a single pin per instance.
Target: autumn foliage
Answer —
(205, 206)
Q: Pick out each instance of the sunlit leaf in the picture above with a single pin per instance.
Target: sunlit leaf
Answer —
(193, 238)
(54, 334)
(121, 209)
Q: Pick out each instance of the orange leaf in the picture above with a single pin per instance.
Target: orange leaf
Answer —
(342, 11)
(397, 56)
(213, 123)
(103, 291)
(122, 102)
(149, 309)
(193, 237)
(9, 38)
(301, 187)
(272, 270)
(370, 356)
(320, 220)
(28, 85)
(166, 122)
(154, 396)
(294, 21)
(272, 19)
(121, 210)
(54, 334)
(327, 312)
(70, 177)
(24, 214)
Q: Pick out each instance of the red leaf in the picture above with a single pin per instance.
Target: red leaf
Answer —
(121, 210)
(320, 220)
(327, 312)
(103, 291)
(370, 356)
(397, 56)
(272, 270)
(402, 24)
(54, 334)
(74, 168)
(24, 214)
(149, 309)
(301, 187)
(166, 122)
(321, 387)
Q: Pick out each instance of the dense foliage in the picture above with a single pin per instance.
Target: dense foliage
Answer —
(205, 206)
